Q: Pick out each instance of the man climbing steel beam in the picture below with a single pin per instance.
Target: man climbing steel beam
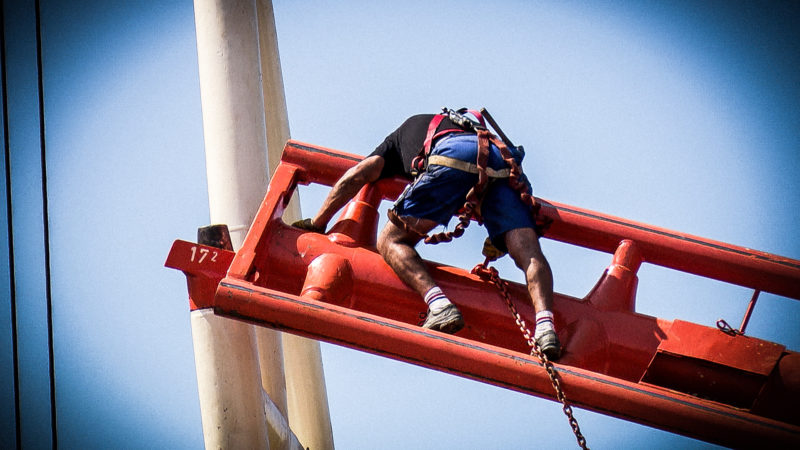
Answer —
(452, 157)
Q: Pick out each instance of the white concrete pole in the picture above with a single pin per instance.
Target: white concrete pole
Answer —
(228, 374)
(309, 415)
(275, 110)
(228, 382)
(270, 346)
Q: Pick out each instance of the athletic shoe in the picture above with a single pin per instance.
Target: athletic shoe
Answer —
(550, 345)
(448, 320)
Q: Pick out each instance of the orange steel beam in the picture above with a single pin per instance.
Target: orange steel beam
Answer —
(641, 403)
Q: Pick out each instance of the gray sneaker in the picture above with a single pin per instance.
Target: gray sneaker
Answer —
(448, 320)
(550, 345)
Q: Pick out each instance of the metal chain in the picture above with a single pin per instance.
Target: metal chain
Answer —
(463, 222)
(491, 274)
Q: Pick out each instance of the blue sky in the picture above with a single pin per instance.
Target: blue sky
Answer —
(677, 114)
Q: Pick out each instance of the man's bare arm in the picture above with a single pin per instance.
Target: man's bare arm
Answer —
(366, 171)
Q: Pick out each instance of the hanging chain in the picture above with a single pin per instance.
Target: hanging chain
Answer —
(463, 222)
(491, 274)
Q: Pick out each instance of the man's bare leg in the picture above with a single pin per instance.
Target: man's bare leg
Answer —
(397, 248)
(523, 246)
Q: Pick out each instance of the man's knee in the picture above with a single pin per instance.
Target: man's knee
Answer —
(387, 237)
(393, 235)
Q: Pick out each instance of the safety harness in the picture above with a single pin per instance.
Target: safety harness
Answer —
(471, 209)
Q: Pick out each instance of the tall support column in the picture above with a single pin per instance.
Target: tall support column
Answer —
(234, 128)
(228, 382)
(270, 342)
(307, 399)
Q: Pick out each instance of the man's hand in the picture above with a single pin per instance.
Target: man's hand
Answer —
(490, 251)
(308, 225)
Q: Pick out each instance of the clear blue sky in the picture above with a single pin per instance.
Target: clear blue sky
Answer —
(679, 114)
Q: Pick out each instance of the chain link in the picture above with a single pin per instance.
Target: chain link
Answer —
(491, 274)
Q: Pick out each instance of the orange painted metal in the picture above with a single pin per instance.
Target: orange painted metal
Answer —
(336, 288)
(204, 267)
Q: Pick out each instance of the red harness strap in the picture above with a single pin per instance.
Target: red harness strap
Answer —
(426, 146)
(418, 163)
(477, 115)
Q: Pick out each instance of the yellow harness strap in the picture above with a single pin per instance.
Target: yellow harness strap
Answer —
(439, 160)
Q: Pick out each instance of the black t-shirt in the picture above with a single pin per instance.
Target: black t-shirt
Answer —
(405, 143)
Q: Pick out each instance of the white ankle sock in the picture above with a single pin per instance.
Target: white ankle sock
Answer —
(544, 323)
(436, 299)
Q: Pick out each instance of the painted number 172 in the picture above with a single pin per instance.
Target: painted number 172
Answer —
(199, 254)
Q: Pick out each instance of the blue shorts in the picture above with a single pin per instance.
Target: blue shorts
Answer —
(441, 191)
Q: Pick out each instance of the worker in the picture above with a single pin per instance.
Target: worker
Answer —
(431, 200)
